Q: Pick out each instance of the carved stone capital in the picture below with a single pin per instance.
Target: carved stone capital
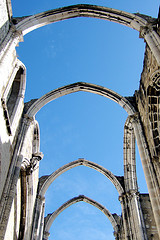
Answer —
(29, 165)
(46, 234)
(38, 156)
(27, 119)
(145, 30)
(131, 193)
(134, 117)
(121, 197)
(25, 164)
(41, 198)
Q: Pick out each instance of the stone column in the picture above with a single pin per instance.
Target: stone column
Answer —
(149, 171)
(12, 178)
(38, 219)
(136, 216)
(125, 217)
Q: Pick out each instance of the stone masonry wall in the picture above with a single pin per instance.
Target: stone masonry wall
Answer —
(5, 15)
(18, 206)
(148, 217)
(5, 141)
(147, 106)
(148, 101)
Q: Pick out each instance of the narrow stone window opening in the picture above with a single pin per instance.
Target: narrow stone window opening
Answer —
(14, 92)
(13, 98)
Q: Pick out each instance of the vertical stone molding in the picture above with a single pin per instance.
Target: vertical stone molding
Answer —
(148, 168)
(131, 199)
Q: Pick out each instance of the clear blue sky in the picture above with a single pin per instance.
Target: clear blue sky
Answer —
(83, 125)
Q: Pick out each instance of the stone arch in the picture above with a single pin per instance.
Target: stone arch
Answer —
(46, 182)
(51, 217)
(30, 23)
(135, 21)
(37, 104)
(32, 107)
(144, 150)
(138, 22)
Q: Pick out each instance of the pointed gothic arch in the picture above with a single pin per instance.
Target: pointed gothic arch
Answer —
(35, 105)
(45, 182)
(51, 217)
(81, 161)
(138, 22)
(30, 23)
(149, 34)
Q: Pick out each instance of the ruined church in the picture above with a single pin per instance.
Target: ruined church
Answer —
(22, 191)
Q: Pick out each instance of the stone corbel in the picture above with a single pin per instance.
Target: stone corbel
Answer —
(46, 235)
(29, 165)
(25, 164)
(36, 157)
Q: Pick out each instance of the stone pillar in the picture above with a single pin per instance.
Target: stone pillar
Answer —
(12, 178)
(132, 217)
(149, 172)
(38, 219)
(136, 216)
(125, 217)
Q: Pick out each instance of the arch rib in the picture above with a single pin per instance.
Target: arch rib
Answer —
(76, 87)
(51, 218)
(137, 22)
(30, 23)
(76, 163)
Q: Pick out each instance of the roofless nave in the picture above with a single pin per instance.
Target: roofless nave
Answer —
(22, 211)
